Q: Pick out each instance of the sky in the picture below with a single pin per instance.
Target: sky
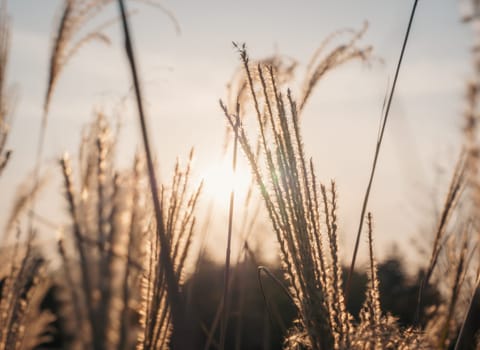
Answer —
(185, 74)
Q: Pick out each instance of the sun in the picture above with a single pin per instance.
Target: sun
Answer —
(220, 179)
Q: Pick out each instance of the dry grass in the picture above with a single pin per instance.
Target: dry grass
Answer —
(304, 217)
(123, 254)
(111, 255)
(5, 100)
(23, 276)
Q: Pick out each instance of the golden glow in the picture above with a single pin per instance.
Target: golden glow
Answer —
(220, 180)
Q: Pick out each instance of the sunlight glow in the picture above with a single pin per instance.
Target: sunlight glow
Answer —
(219, 180)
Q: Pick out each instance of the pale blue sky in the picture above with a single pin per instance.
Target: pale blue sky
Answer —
(185, 75)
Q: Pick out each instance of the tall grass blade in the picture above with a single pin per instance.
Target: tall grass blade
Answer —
(224, 323)
(377, 152)
(179, 320)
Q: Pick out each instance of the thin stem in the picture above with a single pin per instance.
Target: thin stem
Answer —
(468, 315)
(178, 316)
(224, 324)
(377, 152)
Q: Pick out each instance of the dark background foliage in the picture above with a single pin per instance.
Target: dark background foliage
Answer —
(253, 324)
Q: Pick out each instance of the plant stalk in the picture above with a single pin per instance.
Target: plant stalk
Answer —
(377, 152)
(180, 338)
(223, 330)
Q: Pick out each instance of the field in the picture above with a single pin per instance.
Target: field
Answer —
(133, 260)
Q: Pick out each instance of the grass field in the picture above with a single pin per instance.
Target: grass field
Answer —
(130, 269)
